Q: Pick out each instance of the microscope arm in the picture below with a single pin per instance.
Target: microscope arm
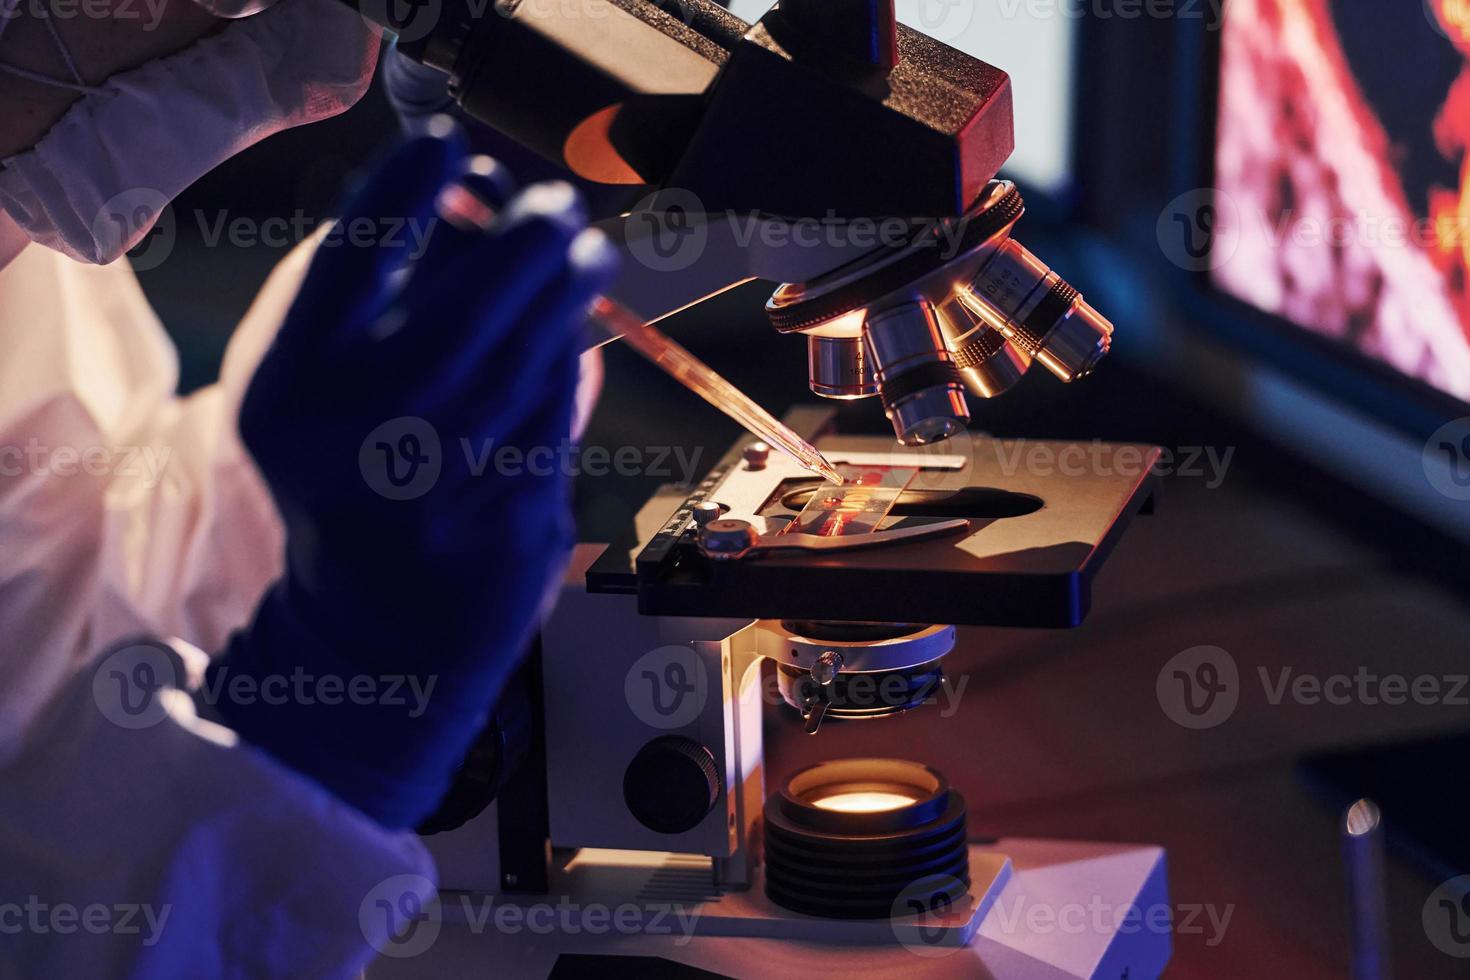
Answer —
(673, 256)
(823, 107)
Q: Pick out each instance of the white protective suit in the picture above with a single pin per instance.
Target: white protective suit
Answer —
(125, 510)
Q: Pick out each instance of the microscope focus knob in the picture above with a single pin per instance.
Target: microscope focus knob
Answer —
(672, 784)
(727, 540)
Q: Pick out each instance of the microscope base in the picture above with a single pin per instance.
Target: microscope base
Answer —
(659, 882)
(1040, 910)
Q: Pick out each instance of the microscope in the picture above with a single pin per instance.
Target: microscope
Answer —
(623, 768)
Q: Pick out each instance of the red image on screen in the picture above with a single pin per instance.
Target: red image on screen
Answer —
(1319, 218)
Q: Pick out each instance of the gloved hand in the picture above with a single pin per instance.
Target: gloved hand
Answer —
(417, 92)
(410, 574)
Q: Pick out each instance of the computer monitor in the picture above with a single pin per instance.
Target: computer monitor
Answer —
(1330, 226)
(1341, 186)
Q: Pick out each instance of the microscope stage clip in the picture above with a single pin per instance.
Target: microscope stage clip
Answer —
(730, 540)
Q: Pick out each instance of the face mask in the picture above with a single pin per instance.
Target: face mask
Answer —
(96, 182)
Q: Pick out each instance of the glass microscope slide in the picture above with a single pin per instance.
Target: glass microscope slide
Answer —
(859, 506)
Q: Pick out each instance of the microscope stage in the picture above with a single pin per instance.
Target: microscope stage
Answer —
(1043, 517)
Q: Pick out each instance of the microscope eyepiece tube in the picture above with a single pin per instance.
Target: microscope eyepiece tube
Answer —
(916, 374)
(1038, 311)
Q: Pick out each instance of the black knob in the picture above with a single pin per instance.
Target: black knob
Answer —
(672, 784)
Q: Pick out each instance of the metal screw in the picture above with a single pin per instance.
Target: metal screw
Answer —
(757, 454)
(706, 511)
(827, 667)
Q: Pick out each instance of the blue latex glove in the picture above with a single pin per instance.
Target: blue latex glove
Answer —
(401, 561)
